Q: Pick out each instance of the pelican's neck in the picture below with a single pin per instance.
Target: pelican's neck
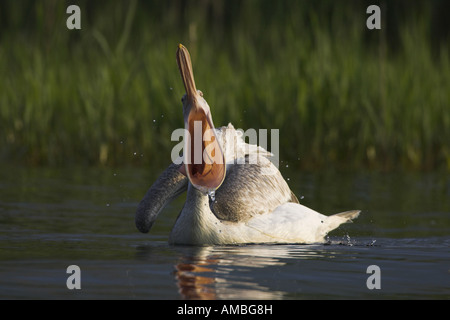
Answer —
(197, 201)
(195, 224)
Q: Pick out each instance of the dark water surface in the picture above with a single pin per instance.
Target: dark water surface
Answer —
(53, 218)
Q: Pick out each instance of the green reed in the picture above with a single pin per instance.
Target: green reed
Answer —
(110, 93)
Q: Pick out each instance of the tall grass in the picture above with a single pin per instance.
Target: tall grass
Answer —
(110, 93)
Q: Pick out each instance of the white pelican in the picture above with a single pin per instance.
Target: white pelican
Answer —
(252, 201)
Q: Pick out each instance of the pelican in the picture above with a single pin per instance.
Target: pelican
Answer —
(235, 194)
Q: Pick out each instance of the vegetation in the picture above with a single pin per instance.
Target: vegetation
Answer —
(340, 94)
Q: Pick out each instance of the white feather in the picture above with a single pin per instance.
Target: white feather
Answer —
(288, 223)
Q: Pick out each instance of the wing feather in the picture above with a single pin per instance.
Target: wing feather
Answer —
(253, 186)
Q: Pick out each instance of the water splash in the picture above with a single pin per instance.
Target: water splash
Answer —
(348, 241)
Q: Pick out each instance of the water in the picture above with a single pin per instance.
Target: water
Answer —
(53, 218)
(212, 195)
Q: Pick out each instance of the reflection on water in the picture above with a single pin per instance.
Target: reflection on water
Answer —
(204, 274)
(239, 272)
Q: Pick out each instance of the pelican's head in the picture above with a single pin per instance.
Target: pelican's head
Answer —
(203, 157)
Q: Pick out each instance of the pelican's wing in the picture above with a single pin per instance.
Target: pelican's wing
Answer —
(295, 223)
(253, 186)
(168, 186)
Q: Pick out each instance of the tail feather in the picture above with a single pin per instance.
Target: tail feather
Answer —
(348, 215)
(334, 221)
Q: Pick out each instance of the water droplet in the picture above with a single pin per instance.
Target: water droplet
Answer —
(107, 204)
(287, 166)
(154, 120)
(302, 197)
(134, 153)
(212, 195)
(288, 179)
